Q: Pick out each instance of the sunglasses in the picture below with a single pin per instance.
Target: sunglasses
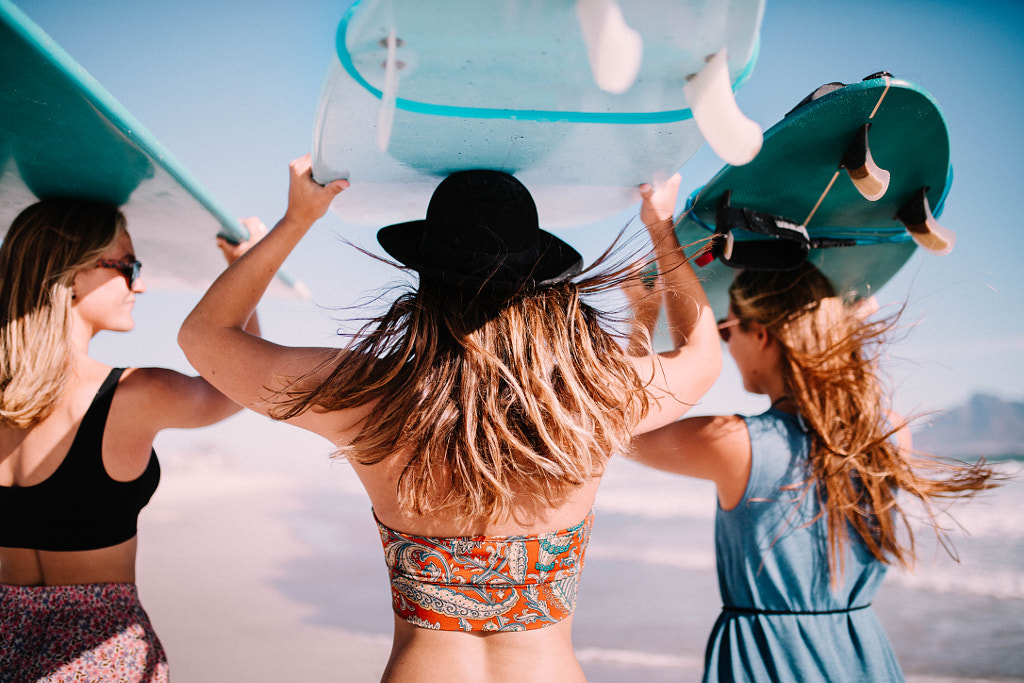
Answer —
(724, 326)
(130, 269)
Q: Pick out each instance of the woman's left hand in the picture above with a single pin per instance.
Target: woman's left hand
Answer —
(232, 252)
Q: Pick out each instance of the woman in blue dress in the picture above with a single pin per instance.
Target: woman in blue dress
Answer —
(811, 493)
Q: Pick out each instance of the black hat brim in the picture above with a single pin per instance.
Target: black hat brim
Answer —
(553, 261)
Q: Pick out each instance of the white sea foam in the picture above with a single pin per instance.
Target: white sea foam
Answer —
(636, 658)
(629, 488)
(693, 560)
(991, 514)
(1005, 583)
(656, 505)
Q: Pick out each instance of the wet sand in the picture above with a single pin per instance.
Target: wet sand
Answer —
(212, 543)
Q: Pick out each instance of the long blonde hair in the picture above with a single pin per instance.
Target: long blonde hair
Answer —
(830, 370)
(45, 246)
(499, 405)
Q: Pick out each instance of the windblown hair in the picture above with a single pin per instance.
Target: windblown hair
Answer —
(498, 404)
(830, 370)
(45, 246)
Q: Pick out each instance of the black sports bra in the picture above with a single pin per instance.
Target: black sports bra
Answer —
(79, 507)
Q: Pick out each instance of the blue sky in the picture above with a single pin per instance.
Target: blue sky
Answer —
(230, 88)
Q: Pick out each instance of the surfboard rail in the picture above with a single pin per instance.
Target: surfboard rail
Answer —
(64, 134)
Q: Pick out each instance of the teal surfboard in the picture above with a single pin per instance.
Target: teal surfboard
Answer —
(582, 101)
(63, 134)
(800, 180)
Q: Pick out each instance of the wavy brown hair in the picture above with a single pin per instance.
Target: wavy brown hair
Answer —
(499, 404)
(45, 246)
(830, 370)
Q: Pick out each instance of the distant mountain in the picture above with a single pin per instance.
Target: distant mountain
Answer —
(986, 425)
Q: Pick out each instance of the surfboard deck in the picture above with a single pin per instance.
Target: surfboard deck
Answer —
(800, 156)
(63, 134)
(516, 86)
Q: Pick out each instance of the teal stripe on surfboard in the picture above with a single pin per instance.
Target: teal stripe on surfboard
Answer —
(63, 134)
(345, 57)
(520, 86)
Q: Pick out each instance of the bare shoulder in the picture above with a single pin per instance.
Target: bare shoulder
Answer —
(714, 447)
(159, 398)
(148, 384)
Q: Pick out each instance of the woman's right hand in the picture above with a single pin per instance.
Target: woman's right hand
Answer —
(308, 200)
(658, 205)
(677, 378)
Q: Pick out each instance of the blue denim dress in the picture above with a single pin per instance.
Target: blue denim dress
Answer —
(782, 620)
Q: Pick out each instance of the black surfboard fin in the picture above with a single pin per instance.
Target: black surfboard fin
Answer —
(917, 217)
(868, 177)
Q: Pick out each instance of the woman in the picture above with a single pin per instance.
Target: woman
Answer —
(76, 447)
(809, 493)
(478, 412)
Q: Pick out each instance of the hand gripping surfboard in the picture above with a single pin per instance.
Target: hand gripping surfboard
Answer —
(582, 101)
(851, 179)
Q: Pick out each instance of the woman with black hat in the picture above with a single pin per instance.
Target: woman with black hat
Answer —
(478, 412)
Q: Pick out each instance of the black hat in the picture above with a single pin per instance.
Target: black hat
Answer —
(481, 229)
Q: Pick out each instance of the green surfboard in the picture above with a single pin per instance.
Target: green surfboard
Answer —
(799, 177)
(63, 134)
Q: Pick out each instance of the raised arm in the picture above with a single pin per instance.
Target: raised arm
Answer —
(162, 398)
(680, 377)
(715, 448)
(243, 366)
(645, 299)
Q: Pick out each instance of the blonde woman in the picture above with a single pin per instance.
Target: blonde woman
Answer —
(479, 412)
(810, 493)
(76, 448)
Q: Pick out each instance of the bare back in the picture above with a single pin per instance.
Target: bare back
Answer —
(31, 456)
(420, 654)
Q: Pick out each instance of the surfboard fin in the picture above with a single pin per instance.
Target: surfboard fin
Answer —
(389, 94)
(733, 137)
(868, 177)
(614, 49)
(917, 218)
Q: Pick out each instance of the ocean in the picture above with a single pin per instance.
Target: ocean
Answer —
(649, 595)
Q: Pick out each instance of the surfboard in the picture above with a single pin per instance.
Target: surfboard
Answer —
(63, 134)
(884, 134)
(582, 101)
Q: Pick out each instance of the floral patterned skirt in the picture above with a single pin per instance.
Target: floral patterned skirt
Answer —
(91, 632)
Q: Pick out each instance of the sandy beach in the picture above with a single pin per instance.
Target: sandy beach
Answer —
(212, 544)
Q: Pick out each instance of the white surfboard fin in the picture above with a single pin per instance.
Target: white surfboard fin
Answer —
(614, 49)
(733, 137)
(917, 217)
(389, 94)
(868, 177)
